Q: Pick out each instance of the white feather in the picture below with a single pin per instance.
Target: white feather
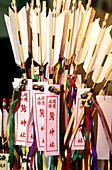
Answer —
(10, 32)
(49, 36)
(33, 23)
(43, 34)
(24, 32)
(94, 32)
(77, 25)
(80, 39)
(101, 54)
(58, 36)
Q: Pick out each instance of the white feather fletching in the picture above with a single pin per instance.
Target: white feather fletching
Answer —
(49, 35)
(80, 39)
(24, 32)
(107, 65)
(101, 54)
(58, 36)
(94, 32)
(10, 32)
(15, 34)
(67, 5)
(59, 2)
(43, 34)
(78, 18)
(33, 23)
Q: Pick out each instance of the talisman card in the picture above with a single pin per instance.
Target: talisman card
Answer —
(52, 122)
(78, 143)
(22, 114)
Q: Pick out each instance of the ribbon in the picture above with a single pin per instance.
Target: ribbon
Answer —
(36, 77)
(75, 159)
(14, 108)
(92, 143)
(32, 151)
(52, 163)
(79, 153)
(59, 163)
(105, 164)
(56, 76)
(68, 156)
(68, 96)
(32, 147)
(44, 168)
(60, 71)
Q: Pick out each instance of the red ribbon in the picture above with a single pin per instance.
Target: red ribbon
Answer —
(105, 164)
(15, 164)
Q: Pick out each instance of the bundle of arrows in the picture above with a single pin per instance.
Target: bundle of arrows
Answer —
(55, 119)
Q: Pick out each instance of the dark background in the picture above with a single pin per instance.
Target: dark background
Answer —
(8, 68)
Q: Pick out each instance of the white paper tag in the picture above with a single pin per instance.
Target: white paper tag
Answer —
(39, 106)
(103, 154)
(22, 114)
(52, 123)
(78, 143)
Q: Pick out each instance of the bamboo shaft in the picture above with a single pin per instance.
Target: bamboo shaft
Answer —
(69, 126)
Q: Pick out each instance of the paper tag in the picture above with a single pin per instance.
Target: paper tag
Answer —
(78, 143)
(103, 154)
(22, 114)
(39, 105)
(52, 123)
